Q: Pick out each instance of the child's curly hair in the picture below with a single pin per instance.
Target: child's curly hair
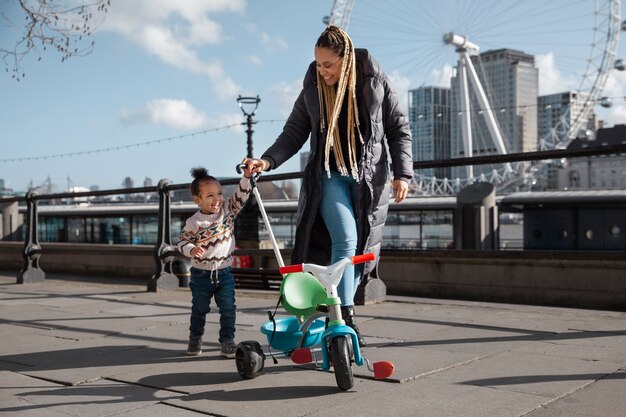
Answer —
(200, 175)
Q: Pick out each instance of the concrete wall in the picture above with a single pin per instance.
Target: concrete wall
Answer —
(10, 222)
(132, 261)
(572, 279)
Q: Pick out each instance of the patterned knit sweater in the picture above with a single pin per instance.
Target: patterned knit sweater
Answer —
(214, 232)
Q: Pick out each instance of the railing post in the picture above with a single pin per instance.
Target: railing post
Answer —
(164, 251)
(32, 251)
(476, 218)
(371, 290)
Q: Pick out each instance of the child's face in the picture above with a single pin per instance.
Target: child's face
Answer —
(210, 198)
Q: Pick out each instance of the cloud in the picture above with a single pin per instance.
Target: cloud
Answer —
(269, 43)
(441, 77)
(284, 96)
(615, 84)
(173, 31)
(615, 115)
(615, 88)
(234, 121)
(401, 85)
(272, 43)
(254, 59)
(551, 80)
(173, 113)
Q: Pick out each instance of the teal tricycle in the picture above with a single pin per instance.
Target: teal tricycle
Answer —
(309, 293)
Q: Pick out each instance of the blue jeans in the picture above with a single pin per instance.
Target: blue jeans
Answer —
(336, 208)
(205, 285)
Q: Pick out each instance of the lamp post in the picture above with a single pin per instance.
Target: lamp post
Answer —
(248, 106)
(247, 222)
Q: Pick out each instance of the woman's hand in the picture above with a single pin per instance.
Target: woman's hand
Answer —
(256, 165)
(247, 170)
(400, 190)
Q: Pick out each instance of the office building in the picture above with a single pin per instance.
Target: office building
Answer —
(511, 83)
(556, 113)
(429, 117)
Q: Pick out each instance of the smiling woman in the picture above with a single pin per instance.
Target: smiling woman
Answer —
(350, 112)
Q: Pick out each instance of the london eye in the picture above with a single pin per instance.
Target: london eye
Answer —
(423, 44)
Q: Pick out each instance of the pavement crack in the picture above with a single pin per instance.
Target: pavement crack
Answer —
(121, 381)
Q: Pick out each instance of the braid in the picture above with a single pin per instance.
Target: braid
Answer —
(331, 101)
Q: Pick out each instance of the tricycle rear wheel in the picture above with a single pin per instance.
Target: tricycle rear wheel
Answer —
(341, 363)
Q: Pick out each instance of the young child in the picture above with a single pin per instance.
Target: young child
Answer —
(208, 238)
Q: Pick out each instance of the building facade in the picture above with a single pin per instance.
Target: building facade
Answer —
(511, 83)
(429, 117)
(607, 172)
(556, 113)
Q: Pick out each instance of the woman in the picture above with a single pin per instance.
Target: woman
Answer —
(348, 108)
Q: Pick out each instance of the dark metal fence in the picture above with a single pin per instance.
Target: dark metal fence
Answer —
(164, 250)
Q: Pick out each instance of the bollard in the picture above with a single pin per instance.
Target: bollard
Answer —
(32, 251)
(164, 251)
(476, 218)
(180, 268)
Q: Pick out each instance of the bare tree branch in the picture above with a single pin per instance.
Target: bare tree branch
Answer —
(61, 25)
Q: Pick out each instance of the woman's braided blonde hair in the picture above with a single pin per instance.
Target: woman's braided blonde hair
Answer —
(331, 100)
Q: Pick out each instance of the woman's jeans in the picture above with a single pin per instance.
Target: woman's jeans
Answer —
(205, 285)
(336, 207)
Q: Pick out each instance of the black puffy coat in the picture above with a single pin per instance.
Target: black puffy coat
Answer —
(380, 117)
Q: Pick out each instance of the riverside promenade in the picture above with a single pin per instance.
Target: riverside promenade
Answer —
(86, 347)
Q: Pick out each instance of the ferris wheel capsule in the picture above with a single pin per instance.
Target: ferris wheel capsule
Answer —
(619, 65)
(606, 102)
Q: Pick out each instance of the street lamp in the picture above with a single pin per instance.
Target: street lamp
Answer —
(247, 222)
(248, 106)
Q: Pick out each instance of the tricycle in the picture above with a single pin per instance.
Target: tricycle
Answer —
(309, 293)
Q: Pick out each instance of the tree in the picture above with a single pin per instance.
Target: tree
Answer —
(64, 26)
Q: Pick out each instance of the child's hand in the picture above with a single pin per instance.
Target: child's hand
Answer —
(197, 252)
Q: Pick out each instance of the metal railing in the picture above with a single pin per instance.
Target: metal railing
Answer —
(164, 251)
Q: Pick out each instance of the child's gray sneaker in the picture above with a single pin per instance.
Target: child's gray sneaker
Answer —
(228, 349)
(195, 346)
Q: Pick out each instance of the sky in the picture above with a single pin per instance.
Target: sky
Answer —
(158, 93)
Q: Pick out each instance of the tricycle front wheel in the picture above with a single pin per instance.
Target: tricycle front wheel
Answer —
(341, 363)
(249, 359)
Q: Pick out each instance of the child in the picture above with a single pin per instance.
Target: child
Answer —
(208, 239)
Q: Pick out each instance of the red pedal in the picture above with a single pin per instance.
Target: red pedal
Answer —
(302, 356)
(383, 369)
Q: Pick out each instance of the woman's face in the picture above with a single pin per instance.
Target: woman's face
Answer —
(328, 65)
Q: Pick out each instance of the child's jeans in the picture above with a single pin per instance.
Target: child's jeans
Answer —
(205, 285)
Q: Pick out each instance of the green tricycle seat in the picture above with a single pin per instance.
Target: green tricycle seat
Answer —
(300, 293)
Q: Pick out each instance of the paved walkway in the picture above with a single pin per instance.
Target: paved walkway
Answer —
(84, 348)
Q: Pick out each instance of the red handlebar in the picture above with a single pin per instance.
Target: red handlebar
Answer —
(290, 268)
(359, 259)
(366, 257)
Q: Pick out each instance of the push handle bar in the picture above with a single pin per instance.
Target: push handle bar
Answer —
(289, 269)
(359, 259)
(240, 167)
